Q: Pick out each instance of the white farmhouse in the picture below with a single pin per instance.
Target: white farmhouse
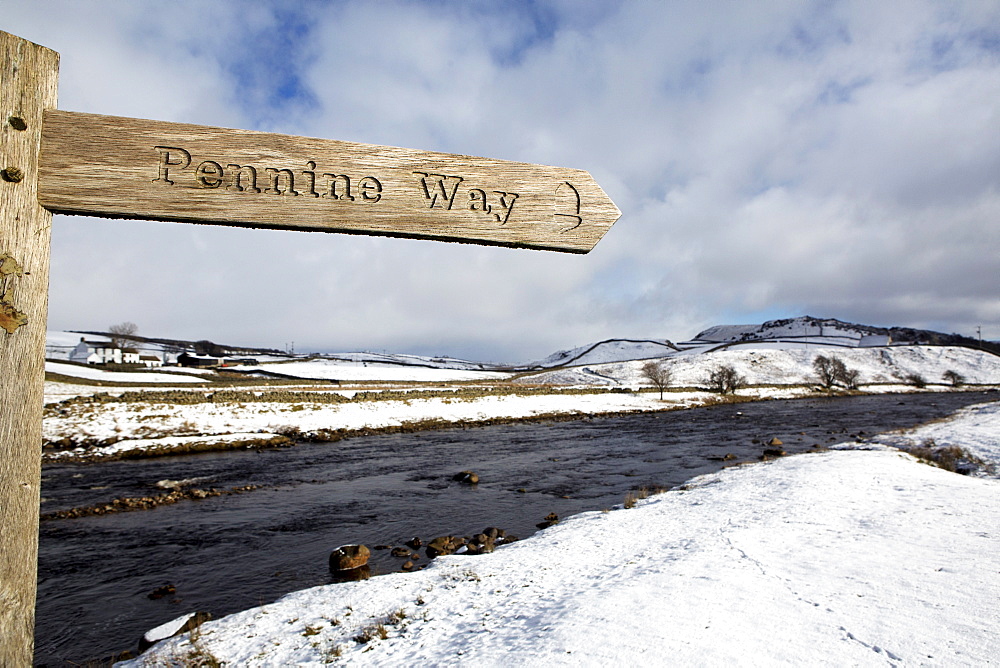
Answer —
(95, 352)
(102, 352)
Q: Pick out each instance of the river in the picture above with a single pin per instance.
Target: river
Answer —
(225, 554)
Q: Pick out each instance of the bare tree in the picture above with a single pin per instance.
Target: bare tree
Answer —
(832, 370)
(122, 333)
(823, 366)
(849, 377)
(724, 379)
(658, 374)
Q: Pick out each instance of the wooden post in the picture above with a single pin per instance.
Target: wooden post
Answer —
(28, 82)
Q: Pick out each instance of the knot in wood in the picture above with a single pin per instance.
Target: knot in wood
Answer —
(12, 174)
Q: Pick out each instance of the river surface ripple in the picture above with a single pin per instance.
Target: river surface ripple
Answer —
(229, 553)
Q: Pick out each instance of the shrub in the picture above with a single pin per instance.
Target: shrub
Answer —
(724, 379)
(916, 380)
(288, 430)
(954, 378)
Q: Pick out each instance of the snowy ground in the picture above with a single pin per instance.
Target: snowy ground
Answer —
(838, 558)
(321, 369)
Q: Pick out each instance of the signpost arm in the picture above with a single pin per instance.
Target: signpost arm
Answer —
(28, 82)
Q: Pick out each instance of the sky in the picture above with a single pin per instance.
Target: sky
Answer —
(772, 159)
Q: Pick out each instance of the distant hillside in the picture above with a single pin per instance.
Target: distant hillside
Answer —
(788, 333)
(808, 326)
(610, 350)
(776, 364)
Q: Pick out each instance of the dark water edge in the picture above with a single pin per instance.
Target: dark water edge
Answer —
(226, 554)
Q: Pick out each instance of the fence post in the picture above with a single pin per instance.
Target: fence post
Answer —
(28, 81)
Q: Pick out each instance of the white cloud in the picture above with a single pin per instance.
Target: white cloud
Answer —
(838, 158)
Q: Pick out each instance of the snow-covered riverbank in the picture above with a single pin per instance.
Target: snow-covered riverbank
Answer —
(146, 428)
(847, 557)
(111, 429)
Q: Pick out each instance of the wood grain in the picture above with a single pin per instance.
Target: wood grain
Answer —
(130, 168)
(28, 80)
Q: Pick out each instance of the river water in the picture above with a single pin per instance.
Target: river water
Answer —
(225, 554)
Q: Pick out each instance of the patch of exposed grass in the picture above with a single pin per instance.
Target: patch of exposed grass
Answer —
(369, 633)
(196, 655)
(950, 458)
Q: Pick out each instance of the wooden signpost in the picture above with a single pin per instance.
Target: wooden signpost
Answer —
(131, 168)
(85, 164)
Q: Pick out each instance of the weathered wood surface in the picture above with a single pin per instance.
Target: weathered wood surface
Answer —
(129, 168)
(28, 80)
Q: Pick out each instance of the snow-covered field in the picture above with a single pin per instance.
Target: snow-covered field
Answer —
(95, 373)
(320, 369)
(846, 557)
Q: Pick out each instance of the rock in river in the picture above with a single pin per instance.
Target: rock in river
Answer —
(349, 557)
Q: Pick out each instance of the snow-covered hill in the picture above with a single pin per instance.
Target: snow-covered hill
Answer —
(831, 332)
(770, 363)
(611, 350)
(791, 333)
(779, 352)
